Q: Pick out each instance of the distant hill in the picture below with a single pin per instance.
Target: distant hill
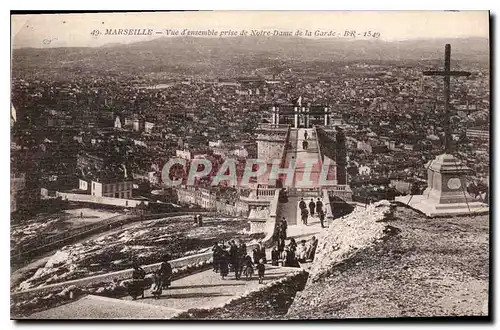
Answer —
(213, 54)
(312, 49)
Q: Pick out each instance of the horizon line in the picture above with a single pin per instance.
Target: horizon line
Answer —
(387, 40)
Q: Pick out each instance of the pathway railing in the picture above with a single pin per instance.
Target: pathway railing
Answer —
(342, 191)
(275, 127)
(100, 199)
(259, 194)
(320, 152)
(269, 192)
(327, 205)
(304, 192)
(272, 221)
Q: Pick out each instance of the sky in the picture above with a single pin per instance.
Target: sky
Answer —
(74, 30)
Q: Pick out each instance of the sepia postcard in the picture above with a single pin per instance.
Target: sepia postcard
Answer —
(250, 165)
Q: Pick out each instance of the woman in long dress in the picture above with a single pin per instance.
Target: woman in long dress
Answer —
(158, 285)
(136, 287)
(166, 274)
(224, 263)
(216, 255)
(275, 256)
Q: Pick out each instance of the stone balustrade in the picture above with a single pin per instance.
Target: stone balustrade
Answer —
(269, 224)
(100, 199)
(268, 192)
(327, 205)
(274, 127)
(343, 192)
(259, 213)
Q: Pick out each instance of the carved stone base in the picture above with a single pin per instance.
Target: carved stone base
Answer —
(446, 194)
(431, 209)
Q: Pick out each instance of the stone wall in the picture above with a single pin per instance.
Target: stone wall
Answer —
(264, 220)
(270, 150)
(258, 225)
(345, 194)
(207, 200)
(333, 146)
(100, 200)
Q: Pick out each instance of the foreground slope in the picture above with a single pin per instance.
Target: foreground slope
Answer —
(417, 267)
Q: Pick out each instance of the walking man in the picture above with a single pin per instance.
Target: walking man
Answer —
(319, 205)
(312, 205)
(313, 246)
(165, 272)
(305, 135)
(302, 204)
(322, 218)
(242, 253)
(304, 213)
(233, 255)
(216, 254)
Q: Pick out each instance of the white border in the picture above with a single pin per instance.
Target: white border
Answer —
(186, 5)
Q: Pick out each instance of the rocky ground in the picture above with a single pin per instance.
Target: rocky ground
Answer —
(382, 261)
(419, 267)
(47, 225)
(145, 242)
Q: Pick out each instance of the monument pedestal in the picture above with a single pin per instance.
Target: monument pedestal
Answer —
(446, 194)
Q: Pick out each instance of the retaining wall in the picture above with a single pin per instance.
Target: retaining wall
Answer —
(100, 199)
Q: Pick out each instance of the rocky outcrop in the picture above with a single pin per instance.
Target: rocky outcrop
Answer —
(348, 235)
(399, 265)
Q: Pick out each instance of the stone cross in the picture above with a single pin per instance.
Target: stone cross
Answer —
(447, 73)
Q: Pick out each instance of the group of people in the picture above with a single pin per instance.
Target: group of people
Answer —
(198, 220)
(305, 144)
(234, 258)
(289, 255)
(283, 196)
(314, 208)
(162, 280)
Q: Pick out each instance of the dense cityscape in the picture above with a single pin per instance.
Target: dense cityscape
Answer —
(92, 128)
(392, 118)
